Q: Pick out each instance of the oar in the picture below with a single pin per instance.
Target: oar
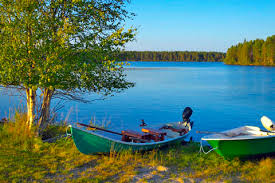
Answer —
(206, 132)
(99, 128)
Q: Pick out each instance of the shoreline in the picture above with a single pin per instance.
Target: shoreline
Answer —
(199, 62)
(60, 161)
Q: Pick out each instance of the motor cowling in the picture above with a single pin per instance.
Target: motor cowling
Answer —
(268, 124)
(187, 112)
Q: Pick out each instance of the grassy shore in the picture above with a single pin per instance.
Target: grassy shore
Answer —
(24, 158)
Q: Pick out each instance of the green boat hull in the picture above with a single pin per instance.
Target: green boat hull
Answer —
(92, 143)
(244, 148)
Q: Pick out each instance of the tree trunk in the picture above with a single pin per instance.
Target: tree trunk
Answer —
(45, 109)
(31, 96)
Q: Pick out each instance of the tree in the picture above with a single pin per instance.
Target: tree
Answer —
(171, 56)
(258, 52)
(270, 50)
(59, 46)
(244, 53)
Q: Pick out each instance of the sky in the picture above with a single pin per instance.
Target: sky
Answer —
(199, 25)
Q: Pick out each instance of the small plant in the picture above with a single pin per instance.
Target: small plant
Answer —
(25, 158)
(16, 133)
(101, 124)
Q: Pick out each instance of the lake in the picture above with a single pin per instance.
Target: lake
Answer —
(221, 96)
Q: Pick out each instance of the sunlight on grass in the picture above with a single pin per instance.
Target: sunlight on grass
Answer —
(259, 171)
(26, 158)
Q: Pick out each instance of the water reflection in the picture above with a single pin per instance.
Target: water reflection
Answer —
(221, 96)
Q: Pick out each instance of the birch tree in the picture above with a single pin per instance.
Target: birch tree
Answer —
(62, 46)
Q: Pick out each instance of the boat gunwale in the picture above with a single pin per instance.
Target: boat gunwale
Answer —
(132, 143)
(243, 137)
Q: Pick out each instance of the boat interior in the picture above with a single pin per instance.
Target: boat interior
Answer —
(145, 134)
(164, 132)
(149, 134)
(161, 133)
(244, 132)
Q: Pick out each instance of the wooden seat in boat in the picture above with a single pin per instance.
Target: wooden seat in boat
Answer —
(130, 135)
(155, 135)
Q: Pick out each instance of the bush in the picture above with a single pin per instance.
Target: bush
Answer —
(16, 133)
(52, 131)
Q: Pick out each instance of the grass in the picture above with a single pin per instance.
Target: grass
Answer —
(24, 158)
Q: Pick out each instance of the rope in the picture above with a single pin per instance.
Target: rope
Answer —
(54, 139)
(202, 150)
(69, 134)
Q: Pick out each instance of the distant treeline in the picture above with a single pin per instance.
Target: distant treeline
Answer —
(179, 56)
(256, 52)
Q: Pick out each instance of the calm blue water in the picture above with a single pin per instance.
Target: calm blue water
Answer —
(221, 96)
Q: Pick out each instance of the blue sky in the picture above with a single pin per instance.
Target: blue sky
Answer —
(199, 25)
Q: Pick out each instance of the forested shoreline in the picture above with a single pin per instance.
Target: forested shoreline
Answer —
(178, 56)
(255, 52)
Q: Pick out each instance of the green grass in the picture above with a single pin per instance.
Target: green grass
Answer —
(24, 158)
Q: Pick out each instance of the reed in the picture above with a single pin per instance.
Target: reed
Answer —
(25, 158)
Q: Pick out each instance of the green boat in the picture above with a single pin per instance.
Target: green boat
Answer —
(244, 142)
(91, 140)
(98, 141)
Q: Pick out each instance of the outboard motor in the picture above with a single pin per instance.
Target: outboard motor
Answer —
(186, 114)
